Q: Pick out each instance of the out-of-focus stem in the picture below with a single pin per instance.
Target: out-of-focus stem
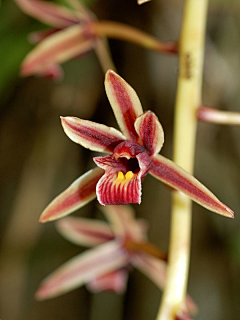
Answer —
(116, 30)
(145, 247)
(191, 50)
(221, 117)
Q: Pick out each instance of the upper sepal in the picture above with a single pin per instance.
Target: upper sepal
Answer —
(125, 103)
(170, 173)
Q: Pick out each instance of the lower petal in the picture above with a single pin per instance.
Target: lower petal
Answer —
(113, 190)
(79, 193)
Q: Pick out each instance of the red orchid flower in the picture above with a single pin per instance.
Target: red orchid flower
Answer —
(105, 267)
(133, 153)
(68, 38)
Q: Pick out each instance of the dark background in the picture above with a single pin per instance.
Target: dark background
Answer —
(38, 161)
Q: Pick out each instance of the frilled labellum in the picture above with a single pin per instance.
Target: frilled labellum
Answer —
(124, 172)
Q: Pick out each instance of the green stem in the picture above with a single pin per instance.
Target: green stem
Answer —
(191, 49)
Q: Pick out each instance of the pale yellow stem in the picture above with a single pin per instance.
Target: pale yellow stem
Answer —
(191, 49)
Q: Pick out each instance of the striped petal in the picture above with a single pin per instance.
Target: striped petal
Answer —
(83, 268)
(49, 13)
(57, 48)
(171, 174)
(86, 232)
(91, 135)
(125, 103)
(78, 194)
(120, 184)
(115, 281)
(150, 131)
(111, 190)
(156, 269)
(124, 224)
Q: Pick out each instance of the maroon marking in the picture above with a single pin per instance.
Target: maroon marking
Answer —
(94, 135)
(178, 181)
(47, 55)
(126, 106)
(85, 191)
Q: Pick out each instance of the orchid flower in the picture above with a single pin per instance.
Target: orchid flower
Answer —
(74, 33)
(106, 266)
(68, 37)
(133, 153)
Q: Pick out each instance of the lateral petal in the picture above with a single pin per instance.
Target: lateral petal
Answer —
(91, 135)
(79, 193)
(171, 174)
(125, 103)
(150, 131)
(156, 269)
(49, 13)
(115, 281)
(83, 268)
(57, 48)
(86, 232)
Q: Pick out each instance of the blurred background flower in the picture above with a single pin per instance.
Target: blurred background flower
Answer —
(35, 164)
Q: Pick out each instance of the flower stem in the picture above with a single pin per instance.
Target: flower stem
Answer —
(125, 32)
(191, 50)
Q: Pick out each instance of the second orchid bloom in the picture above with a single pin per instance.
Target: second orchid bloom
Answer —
(133, 153)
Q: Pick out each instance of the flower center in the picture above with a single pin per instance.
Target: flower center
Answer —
(128, 176)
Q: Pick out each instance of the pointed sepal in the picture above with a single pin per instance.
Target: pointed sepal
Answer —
(171, 174)
(83, 268)
(92, 135)
(125, 103)
(57, 48)
(78, 194)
